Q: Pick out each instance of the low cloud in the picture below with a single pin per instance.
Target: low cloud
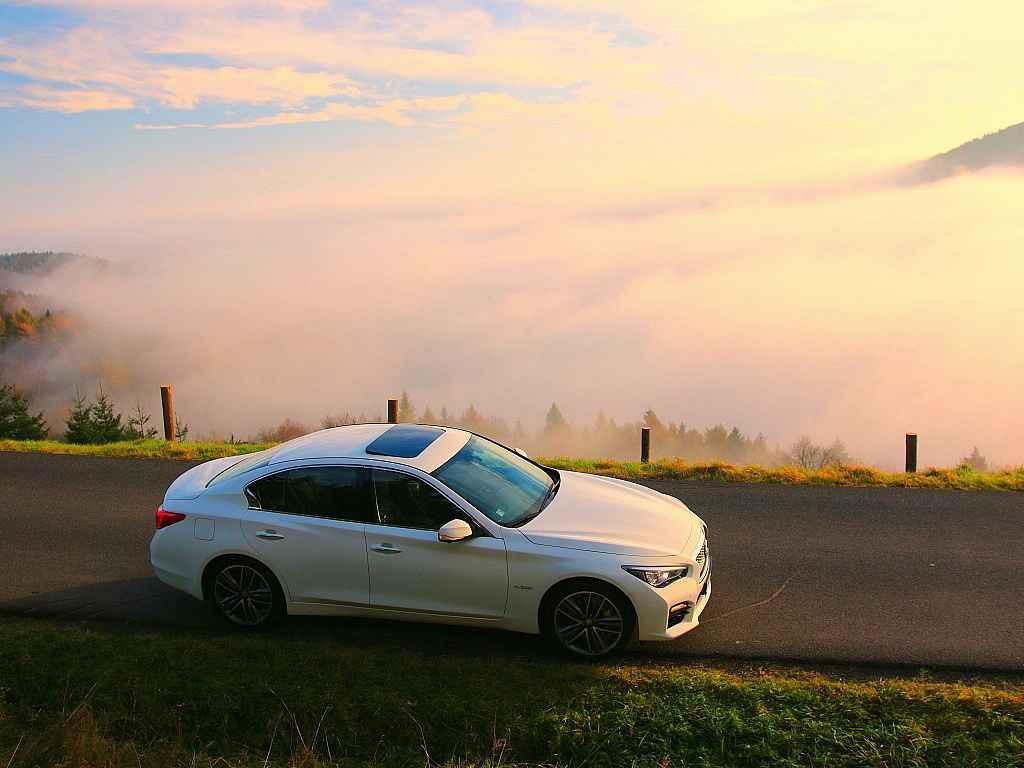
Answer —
(857, 317)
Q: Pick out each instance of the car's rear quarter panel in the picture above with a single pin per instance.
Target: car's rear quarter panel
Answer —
(180, 552)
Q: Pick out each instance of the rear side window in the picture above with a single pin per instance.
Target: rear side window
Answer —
(267, 493)
(406, 502)
(333, 493)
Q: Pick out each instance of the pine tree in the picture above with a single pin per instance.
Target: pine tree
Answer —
(653, 423)
(15, 420)
(106, 425)
(79, 424)
(406, 410)
(472, 420)
(428, 416)
(554, 421)
(138, 425)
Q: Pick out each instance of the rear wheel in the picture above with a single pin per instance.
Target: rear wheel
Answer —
(245, 593)
(587, 619)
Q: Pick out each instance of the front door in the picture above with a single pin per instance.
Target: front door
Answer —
(309, 526)
(411, 570)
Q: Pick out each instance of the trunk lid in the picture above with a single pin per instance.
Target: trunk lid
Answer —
(193, 482)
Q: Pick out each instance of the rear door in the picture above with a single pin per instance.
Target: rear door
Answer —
(309, 526)
(411, 570)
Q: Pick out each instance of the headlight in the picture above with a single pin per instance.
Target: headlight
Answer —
(658, 577)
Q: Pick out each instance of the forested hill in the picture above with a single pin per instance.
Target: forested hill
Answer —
(35, 262)
(26, 316)
(1003, 149)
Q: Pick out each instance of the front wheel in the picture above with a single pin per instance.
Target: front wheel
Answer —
(588, 619)
(246, 594)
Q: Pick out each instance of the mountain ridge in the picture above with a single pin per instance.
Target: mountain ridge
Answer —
(1000, 149)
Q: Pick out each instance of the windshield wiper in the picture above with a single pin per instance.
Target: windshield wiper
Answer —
(551, 494)
(547, 500)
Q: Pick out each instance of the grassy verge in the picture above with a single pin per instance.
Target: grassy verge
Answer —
(961, 478)
(137, 449)
(335, 693)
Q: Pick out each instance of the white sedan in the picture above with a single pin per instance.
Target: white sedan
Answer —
(426, 523)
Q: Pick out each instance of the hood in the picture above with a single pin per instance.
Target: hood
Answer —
(193, 482)
(601, 514)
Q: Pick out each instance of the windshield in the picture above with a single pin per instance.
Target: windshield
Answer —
(503, 485)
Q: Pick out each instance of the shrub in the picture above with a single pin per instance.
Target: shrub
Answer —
(283, 432)
(138, 425)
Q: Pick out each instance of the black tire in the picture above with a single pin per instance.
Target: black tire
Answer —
(587, 619)
(244, 593)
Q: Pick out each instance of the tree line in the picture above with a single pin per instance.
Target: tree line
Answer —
(604, 437)
(92, 422)
(30, 262)
(98, 421)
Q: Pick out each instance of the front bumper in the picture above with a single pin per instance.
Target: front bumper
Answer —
(671, 612)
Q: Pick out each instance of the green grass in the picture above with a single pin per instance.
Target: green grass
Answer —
(137, 449)
(960, 478)
(348, 693)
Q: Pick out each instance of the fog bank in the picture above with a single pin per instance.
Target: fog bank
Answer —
(860, 317)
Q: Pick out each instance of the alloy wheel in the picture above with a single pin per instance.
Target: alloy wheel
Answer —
(588, 623)
(243, 595)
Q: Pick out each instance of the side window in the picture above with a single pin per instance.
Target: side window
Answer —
(407, 502)
(335, 493)
(267, 493)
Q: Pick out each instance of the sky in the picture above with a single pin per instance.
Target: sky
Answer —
(618, 205)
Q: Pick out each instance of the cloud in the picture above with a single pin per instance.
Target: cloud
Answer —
(475, 109)
(177, 5)
(68, 100)
(278, 55)
(187, 87)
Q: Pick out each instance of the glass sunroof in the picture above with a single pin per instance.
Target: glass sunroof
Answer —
(405, 441)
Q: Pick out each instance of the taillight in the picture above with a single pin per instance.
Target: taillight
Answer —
(165, 518)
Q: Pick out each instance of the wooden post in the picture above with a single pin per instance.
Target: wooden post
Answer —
(167, 400)
(911, 452)
(645, 445)
(392, 411)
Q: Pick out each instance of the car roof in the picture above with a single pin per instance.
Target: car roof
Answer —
(351, 442)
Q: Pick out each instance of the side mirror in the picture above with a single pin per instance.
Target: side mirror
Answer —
(454, 530)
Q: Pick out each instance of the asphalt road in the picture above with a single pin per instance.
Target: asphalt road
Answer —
(862, 575)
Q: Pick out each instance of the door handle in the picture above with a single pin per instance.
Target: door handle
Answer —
(269, 535)
(386, 549)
